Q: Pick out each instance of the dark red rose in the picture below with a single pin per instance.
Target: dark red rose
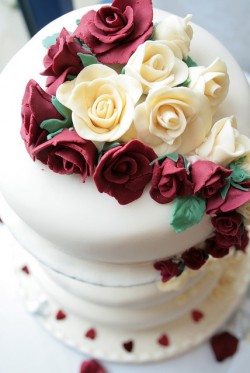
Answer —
(244, 241)
(62, 60)
(213, 248)
(169, 180)
(124, 171)
(168, 268)
(194, 258)
(208, 177)
(115, 31)
(91, 366)
(228, 228)
(228, 223)
(67, 153)
(36, 107)
(224, 345)
(234, 199)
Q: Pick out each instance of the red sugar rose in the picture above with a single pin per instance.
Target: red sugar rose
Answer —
(36, 107)
(91, 366)
(168, 268)
(124, 171)
(67, 153)
(208, 177)
(169, 180)
(194, 258)
(224, 345)
(115, 31)
(234, 199)
(62, 60)
(228, 228)
(213, 248)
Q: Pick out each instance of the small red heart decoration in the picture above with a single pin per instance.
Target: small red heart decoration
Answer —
(197, 315)
(26, 270)
(163, 340)
(61, 315)
(128, 346)
(224, 345)
(91, 333)
(91, 366)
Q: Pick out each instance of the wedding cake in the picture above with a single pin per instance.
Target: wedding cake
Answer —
(125, 173)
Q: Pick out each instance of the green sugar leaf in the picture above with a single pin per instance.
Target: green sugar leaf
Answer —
(187, 212)
(185, 83)
(173, 156)
(87, 59)
(189, 62)
(50, 40)
(107, 146)
(54, 125)
(238, 186)
(239, 174)
(225, 189)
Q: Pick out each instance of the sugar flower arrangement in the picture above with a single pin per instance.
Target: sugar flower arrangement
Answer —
(126, 105)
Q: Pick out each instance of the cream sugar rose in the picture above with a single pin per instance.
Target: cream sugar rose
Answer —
(135, 116)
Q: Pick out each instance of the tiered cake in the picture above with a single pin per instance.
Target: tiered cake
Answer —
(129, 184)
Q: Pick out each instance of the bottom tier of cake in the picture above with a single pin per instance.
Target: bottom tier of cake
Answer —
(139, 323)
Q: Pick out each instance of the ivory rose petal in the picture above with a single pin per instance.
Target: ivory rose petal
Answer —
(224, 143)
(154, 65)
(178, 32)
(212, 81)
(173, 120)
(102, 102)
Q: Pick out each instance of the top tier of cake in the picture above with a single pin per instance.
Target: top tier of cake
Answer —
(75, 217)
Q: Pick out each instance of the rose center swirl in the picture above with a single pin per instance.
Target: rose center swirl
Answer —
(103, 112)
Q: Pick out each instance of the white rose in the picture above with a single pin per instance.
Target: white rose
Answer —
(155, 65)
(212, 81)
(173, 119)
(102, 102)
(177, 31)
(244, 210)
(224, 144)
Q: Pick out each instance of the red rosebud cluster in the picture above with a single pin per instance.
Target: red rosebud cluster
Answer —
(170, 180)
(62, 60)
(115, 31)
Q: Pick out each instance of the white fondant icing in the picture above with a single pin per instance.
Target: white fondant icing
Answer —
(75, 217)
(99, 255)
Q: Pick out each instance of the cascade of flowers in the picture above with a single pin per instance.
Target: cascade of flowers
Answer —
(126, 105)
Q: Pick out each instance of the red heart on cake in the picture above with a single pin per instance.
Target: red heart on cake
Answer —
(197, 315)
(163, 340)
(91, 333)
(26, 270)
(128, 346)
(224, 345)
(60, 315)
(91, 366)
